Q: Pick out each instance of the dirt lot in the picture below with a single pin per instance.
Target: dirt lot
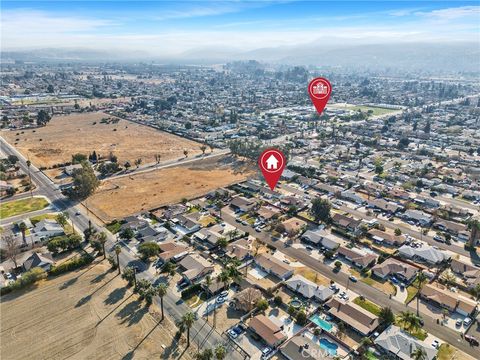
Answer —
(117, 198)
(76, 133)
(88, 314)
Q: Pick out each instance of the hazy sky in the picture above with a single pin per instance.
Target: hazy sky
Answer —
(172, 28)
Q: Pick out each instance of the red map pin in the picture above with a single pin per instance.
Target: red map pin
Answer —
(272, 162)
(319, 90)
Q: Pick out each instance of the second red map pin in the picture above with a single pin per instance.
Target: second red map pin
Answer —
(319, 90)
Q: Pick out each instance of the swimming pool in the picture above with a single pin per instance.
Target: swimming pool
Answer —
(324, 324)
(330, 347)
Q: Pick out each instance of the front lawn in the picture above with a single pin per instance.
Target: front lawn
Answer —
(368, 305)
(419, 333)
(445, 352)
(22, 206)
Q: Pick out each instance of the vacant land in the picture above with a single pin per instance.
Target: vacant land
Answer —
(22, 206)
(117, 198)
(88, 314)
(84, 133)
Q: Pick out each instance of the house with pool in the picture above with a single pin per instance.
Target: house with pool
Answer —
(305, 345)
(354, 316)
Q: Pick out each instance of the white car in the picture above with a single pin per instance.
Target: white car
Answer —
(232, 334)
(467, 322)
(266, 351)
(435, 344)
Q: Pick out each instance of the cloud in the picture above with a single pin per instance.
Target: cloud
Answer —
(453, 13)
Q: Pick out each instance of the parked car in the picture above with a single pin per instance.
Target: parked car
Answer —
(232, 334)
(458, 323)
(435, 344)
(353, 278)
(266, 351)
(223, 293)
(467, 321)
(472, 340)
(309, 248)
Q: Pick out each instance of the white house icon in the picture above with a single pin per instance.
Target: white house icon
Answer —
(272, 163)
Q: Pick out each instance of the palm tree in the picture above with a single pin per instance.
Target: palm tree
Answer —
(118, 250)
(208, 283)
(187, 321)
(224, 277)
(421, 280)
(102, 239)
(386, 316)
(162, 291)
(410, 321)
(29, 163)
(222, 243)
(419, 354)
(220, 352)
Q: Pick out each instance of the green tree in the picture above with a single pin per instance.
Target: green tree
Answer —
(118, 250)
(220, 352)
(301, 318)
(129, 275)
(203, 148)
(187, 321)
(410, 321)
(419, 354)
(398, 232)
(262, 305)
(222, 243)
(43, 117)
(169, 268)
(127, 234)
(321, 209)
(162, 291)
(386, 316)
(475, 291)
(420, 280)
(62, 218)
(84, 182)
(148, 250)
(101, 238)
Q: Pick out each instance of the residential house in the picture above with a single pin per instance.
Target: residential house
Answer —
(246, 299)
(449, 300)
(194, 267)
(134, 223)
(393, 267)
(184, 224)
(426, 253)
(172, 251)
(469, 272)
(242, 204)
(274, 266)
(357, 257)
(207, 237)
(44, 261)
(266, 213)
(346, 223)
(240, 249)
(267, 330)
(298, 348)
(46, 229)
(399, 344)
(308, 289)
(294, 225)
(385, 206)
(383, 238)
(452, 227)
(320, 237)
(419, 217)
(357, 318)
(352, 196)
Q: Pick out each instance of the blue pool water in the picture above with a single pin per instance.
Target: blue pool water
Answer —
(317, 320)
(329, 346)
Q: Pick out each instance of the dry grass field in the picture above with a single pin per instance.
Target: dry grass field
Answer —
(83, 133)
(87, 314)
(117, 198)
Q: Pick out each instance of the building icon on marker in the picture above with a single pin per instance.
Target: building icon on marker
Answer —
(272, 163)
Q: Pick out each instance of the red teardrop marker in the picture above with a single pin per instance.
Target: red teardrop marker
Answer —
(319, 90)
(272, 162)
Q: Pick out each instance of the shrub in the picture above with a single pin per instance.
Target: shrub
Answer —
(191, 290)
(71, 264)
(149, 249)
(262, 305)
(301, 318)
(28, 278)
(278, 300)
